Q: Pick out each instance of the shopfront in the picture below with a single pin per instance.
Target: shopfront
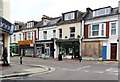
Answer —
(14, 47)
(45, 47)
(26, 48)
(69, 48)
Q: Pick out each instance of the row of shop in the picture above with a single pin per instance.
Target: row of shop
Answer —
(103, 50)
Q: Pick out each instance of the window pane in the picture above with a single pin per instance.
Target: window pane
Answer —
(60, 33)
(54, 33)
(45, 34)
(102, 31)
(95, 27)
(69, 16)
(72, 32)
(95, 30)
(113, 32)
(113, 28)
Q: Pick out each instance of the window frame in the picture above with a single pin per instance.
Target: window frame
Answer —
(72, 33)
(90, 30)
(60, 33)
(69, 16)
(54, 33)
(113, 28)
(44, 34)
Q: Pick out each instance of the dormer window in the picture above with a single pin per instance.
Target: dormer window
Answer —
(45, 22)
(100, 12)
(30, 24)
(16, 27)
(69, 16)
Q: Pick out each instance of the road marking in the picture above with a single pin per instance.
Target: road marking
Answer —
(112, 70)
(98, 72)
(83, 67)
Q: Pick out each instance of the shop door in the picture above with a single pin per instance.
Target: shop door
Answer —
(113, 51)
(104, 52)
(47, 51)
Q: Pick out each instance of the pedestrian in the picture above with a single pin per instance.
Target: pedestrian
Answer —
(5, 55)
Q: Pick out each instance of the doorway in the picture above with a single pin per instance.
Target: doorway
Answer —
(113, 51)
(47, 51)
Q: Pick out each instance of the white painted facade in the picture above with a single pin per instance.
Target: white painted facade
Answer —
(50, 35)
(49, 32)
(66, 30)
(16, 35)
(32, 33)
(112, 38)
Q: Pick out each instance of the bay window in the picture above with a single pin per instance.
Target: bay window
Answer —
(96, 30)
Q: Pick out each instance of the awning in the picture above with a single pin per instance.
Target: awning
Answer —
(6, 26)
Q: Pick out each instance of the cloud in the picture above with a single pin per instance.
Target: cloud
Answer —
(27, 10)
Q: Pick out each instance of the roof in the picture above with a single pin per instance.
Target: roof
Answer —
(52, 22)
(89, 13)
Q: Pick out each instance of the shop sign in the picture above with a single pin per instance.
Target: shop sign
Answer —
(6, 26)
(27, 42)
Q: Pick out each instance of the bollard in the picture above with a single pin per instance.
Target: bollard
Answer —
(80, 58)
(32, 55)
(20, 59)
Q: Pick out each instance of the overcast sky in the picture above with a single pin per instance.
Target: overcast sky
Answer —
(27, 10)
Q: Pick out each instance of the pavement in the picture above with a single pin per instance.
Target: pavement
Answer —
(16, 70)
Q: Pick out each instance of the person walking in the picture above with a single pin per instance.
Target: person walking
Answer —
(5, 55)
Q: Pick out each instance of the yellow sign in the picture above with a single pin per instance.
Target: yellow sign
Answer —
(27, 42)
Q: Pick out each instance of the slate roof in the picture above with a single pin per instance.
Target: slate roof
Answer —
(89, 13)
(52, 22)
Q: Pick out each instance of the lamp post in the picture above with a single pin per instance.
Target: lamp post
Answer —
(80, 39)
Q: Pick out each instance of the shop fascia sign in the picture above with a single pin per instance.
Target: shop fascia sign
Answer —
(27, 42)
(5, 27)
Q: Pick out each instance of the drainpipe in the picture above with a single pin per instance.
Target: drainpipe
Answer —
(80, 39)
(119, 30)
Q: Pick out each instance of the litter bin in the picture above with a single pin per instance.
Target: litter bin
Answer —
(80, 58)
(60, 57)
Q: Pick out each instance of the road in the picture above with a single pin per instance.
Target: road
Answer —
(71, 69)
